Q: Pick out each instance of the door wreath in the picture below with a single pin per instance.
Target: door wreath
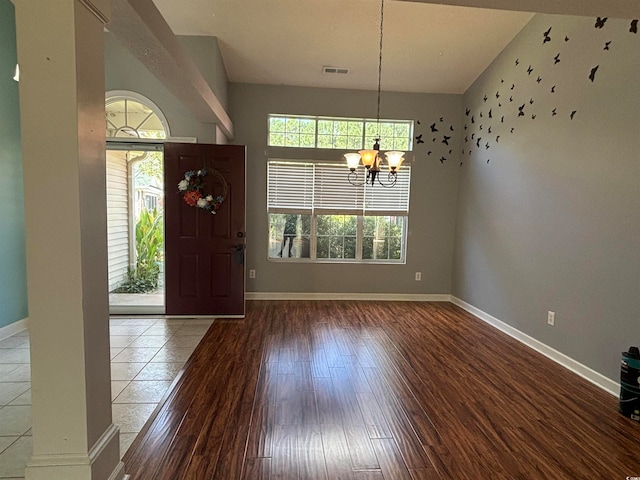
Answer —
(192, 190)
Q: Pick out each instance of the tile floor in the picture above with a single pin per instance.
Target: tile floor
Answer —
(146, 355)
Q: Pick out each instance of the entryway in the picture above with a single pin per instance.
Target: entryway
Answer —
(135, 204)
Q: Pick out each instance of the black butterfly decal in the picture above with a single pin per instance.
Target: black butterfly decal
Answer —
(473, 119)
(600, 21)
(466, 139)
(533, 116)
(490, 114)
(512, 129)
(513, 85)
(529, 70)
(446, 139)
(419, 139)
(547, 38)
(442, 159)
(511, 99)
(521, 110)
(497, 138)
(634, 26)
(498, 94)
(418, 122)
(488, 159)
(502, 119)
(481, 115)
(433, 127)
(429, 152)
(489, 130)
(566, 39)
(480, 127)
(606, 45)
(478, 142)
(517, 62)
(486, 146)
(592, 75)
(556, 59)
(573, 113)
(442, 119)
(553, 89)
(554, 112)
(451, 128)
(473, 135)
(485, 98)
(467, 112)
(531, 101)
(539, 79)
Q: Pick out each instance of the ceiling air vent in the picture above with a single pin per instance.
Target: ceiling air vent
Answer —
(335, 70)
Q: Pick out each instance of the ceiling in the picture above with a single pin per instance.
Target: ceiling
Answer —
(427, 48)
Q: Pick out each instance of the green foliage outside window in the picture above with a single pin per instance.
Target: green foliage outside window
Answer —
(338, 133)
(143, 278)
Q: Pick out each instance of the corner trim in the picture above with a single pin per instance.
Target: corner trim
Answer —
(567, 362)
(13, 328)
(397, 297)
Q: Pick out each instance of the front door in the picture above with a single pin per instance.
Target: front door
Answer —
(204, 231)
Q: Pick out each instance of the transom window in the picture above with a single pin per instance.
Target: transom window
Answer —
(132, 119)
(315, 214)
(338, 133)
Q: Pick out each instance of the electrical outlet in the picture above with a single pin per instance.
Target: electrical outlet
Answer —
(551, 318)
(252, 273)
(418, 276)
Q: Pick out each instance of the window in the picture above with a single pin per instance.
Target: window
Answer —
(338, 133)
(317, 215)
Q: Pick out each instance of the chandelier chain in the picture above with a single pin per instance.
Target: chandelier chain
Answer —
(380, 65)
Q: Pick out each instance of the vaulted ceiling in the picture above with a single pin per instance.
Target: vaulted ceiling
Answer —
(427, 47)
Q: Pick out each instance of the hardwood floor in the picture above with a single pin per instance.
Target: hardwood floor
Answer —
(390, 390)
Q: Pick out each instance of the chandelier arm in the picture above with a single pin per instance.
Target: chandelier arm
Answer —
(353, 177)
(393, 178)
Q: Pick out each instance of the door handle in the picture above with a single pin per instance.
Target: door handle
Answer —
(239, 253)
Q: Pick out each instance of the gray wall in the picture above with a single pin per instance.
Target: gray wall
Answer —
(552, 221)
(433, 189)
(13, 273)
(124, 72)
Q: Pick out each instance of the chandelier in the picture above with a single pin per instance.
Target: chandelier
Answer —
(372, 159)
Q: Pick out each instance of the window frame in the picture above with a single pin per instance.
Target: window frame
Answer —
(366, 137)
(307, 204)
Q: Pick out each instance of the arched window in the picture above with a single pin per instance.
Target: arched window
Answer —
(132, 116)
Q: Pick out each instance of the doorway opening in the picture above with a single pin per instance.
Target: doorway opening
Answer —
(135, 204)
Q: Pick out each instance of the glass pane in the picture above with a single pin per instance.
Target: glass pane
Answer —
(350, 224)
(293, 125)
(276, 124)
(340, 142)
(367, 248)
(336, 247)
(308, 126)
(325, 127)
(354, 143)
(276, 139)
(395, 249)
(291, 140)
(323, 247)
(350, 247)
(323, 223)
(289, 235)
(325, 141)
(307, 140)
(355, 129)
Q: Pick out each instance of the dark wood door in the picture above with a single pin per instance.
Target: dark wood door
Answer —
(204, 252)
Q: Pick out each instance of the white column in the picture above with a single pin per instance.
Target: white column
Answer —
(60, 52)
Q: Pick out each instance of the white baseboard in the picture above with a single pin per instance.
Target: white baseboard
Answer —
(13, 328)
(569, 363)
(405, 297)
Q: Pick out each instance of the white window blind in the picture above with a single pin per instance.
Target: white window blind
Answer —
(289, 186)
(325, 188)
